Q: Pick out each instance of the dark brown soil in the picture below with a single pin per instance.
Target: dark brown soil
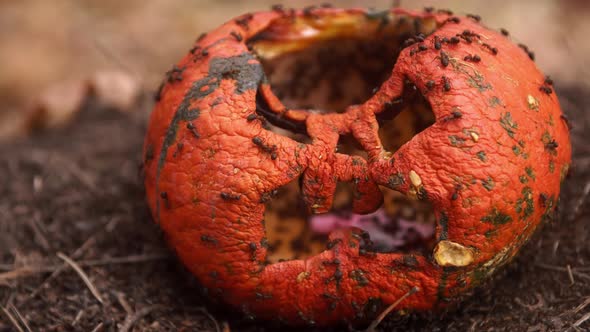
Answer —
(77, 191)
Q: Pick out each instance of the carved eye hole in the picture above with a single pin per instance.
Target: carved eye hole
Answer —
(342, 62)
(404, 118)
(330, 66)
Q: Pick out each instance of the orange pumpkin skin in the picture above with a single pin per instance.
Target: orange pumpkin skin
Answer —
(491, 166)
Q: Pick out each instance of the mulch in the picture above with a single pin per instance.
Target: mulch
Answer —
(74, 197)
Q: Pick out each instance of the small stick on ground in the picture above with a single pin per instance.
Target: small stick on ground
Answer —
(563, 269)
(18, 273)
(385, 312)
(124, 304)
(130, 320)
(582, 305)
(570, 275)
(133, 259)
(82, 275)
(125, 260)
(98, 327)
(582, 320)
(75, 255)
(21, 318)
(38, 234)
(13, 320)
(555, 246)
(206, 313)
(77, 318)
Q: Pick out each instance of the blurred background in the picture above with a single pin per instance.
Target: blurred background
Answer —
(50, 49)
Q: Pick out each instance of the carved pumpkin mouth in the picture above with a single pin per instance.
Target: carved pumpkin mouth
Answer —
(399, 225)
(325, 66)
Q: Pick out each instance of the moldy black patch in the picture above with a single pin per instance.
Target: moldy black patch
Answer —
(248, 75)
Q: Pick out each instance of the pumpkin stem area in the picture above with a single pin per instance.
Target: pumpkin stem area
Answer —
(325, 65)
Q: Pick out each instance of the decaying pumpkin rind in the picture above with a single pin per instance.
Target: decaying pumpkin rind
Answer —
(492, 173)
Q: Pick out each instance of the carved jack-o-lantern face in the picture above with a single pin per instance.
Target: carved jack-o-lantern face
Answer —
(315, 120)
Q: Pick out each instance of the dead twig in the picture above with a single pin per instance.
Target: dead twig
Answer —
(19, 273)
(563, 269)
(77, 318)
(385, 312)
(31, 270)
(570, 275)
(555, 246)
(124, 304)
(98, 327)
(206, 313)
(130, 320)
(582, 305)
(126, 260)
(12, 320)
(75, 255)
(582, 320)
(21, 318)
(82, 275)
(36, 226)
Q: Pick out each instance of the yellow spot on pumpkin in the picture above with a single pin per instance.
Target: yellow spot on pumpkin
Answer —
(416, 182)
(302, 276)
(448, 253)
(533, 103)
(415, 179)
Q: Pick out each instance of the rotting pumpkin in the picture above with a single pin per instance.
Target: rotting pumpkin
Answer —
(261, 104)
